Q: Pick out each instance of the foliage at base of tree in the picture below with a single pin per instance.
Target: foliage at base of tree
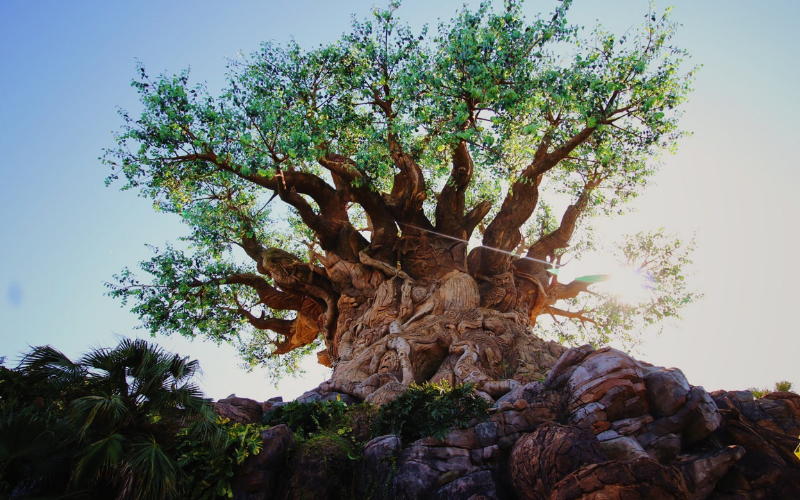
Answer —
(430, 410)
(208, 465)
(310, 418)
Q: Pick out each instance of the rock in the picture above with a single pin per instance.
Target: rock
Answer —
(541, 459)
(525, 392)
(769, 469)
(240, 410)
(416, 474)
(666, 391)
(611, 378)
(320, 469)
(309, 396)
(664, 449)
(277, 441)
(515, 421)
(459, 438)
(488, 433)
(520, 404)
(566, 365)
(641, 479)
(373, 478)
(480, 484)
(702, 472)
(258, 472)
(340, 396)
(622, 448)
(632, 426)
(776, 410)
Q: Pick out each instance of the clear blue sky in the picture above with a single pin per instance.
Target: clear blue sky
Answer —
(67, 65)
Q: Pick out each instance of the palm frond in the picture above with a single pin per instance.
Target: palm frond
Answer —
(99, 458)
(149, 473)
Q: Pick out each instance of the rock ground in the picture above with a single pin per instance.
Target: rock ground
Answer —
(602, 425)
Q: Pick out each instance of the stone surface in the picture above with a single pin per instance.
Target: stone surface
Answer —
(276, 443)
(240, 410)
(769, 468)
(374, 475)
(550, 453)
(623, 448)
(257, 477)
(320, 470)
(477, 484)
(641, 479)
(702, 472)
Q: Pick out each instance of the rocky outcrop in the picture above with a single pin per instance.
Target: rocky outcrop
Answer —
(257, 478)
(240, 410)
(601, 425)
(549, 454)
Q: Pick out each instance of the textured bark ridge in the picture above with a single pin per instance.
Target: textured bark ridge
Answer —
(602, 426)
(423, 325)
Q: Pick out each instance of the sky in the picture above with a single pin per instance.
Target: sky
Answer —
(67, 67)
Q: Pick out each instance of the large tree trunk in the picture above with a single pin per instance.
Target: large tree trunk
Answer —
(430, 320)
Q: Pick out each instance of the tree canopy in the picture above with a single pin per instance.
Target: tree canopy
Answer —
(388, 156)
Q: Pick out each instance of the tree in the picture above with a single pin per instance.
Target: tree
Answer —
(105, 425)
(391, 196)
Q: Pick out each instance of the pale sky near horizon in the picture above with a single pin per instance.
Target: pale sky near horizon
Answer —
(67, 65)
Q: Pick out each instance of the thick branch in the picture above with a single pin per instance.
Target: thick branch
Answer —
(503, 232)
(475, 216)
(560, 237)
(267, 294)
(450, 206)
(560, 291)
(384, 227)
(579, 315)
(290, 185)
(408, 189)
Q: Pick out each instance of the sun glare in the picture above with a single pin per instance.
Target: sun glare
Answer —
(629, 285)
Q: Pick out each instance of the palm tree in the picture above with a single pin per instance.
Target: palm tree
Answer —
(124, 407)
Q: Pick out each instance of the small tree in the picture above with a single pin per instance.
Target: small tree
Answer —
(391, 197)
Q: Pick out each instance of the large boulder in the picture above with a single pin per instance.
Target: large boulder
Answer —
(479, 485)
(547, 455)
(374, 474)
(642, 479)
(635, 409)
(257, 477)
(240, 410)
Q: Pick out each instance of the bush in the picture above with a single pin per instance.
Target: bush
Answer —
(782, 386)
(306, 419)
(429, 410)
(208, 463)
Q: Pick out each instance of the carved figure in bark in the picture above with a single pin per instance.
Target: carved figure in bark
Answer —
(500, 293)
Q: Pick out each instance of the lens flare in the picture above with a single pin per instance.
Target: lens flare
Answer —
(630, 285)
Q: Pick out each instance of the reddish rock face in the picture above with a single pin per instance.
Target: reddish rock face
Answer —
(642, 479)
(546, 456)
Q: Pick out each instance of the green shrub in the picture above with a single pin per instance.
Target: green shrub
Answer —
(782, 386)
(429, 410)
(306, 419)
(208, 464)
